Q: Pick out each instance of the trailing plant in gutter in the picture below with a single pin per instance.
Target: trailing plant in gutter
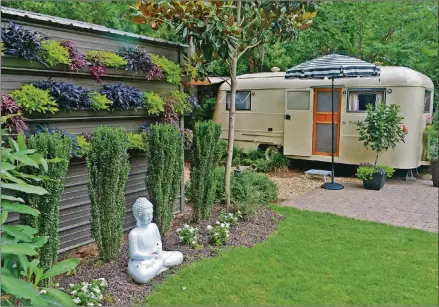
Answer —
(153, 103)
(51, 146)
(21, 42)
(108, 167)
(206, 153)
(84, 146)
(53, 53)
(21, 279)
(156, 73)
(33, 99)
(106, 58)
(122, 96)
(172, 70)
(135, 141)
(169, 115)
(67, 96)
(99, 101)
(14, 121)
(2, 48)
(181, 102)
(77, 59)
(97, 70)
(164, 156)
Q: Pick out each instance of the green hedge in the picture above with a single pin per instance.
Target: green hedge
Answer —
(108, 168)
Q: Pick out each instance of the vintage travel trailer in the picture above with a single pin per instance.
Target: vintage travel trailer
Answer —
(294, 115)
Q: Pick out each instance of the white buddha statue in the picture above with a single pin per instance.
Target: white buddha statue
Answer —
(147, 259)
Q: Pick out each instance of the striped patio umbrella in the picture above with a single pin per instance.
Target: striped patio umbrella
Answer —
(333, 66)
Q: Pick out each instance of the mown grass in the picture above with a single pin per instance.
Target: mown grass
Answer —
(314, 259)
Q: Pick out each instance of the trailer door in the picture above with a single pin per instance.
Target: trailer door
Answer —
(298, 122)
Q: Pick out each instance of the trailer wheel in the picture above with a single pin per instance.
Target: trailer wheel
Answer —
(270, 151)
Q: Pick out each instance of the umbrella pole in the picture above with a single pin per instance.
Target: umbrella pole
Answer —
(332, 185)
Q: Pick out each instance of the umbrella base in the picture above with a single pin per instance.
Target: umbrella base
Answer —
(332, 186)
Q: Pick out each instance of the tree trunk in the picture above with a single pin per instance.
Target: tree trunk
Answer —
(231, 134)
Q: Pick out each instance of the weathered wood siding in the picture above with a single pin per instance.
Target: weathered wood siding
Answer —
(75, 215)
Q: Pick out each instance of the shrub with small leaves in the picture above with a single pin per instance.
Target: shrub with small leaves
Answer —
(99, 101)
(21, 42)
(262, 165)
(53, 53)
(50, 146)
(49, 129)
(108, 167)
(12, 112)
(122, 96)
(106, 58)
(153, 103)
(77, 59)
(219, 233)
(67, 96)
(88, 294)
(188, 235)
(135, 141)
(164, 157)
(172, 70)
(204, 158)
(33, 99)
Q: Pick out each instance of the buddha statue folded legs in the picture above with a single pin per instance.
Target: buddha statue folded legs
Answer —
(147, 259)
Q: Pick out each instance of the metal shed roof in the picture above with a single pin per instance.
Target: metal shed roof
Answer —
(81, 25)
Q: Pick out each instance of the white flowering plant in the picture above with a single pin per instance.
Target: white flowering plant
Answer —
(188, 235)
(88, 294)
(231, 218)
(219, 233)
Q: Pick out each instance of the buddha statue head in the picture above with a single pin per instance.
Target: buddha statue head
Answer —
(142, 211)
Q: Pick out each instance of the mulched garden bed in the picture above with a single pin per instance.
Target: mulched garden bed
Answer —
(123, 291)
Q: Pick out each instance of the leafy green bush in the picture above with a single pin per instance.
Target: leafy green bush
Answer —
(255, 154)
(53, 53)
(204, 158)
(153, 103)
(99, 101)
(249, 190)
(218, 233)
(366, 172)
(21, 278)
(135, 141)
(164, 157)
(172, 70)
(278, 160)
(188, 235)
(106, 58)
(181, 102)
(50, 146)
(108, 167)
(262, 165)
(433, 137)
(205, 111)
(33, 99)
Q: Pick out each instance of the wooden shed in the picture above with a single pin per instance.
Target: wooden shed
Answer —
(75, 227)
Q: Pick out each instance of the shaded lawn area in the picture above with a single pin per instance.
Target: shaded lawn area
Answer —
(314, 259)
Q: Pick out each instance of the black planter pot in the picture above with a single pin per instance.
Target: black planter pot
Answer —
(435, 172)
(376, 183)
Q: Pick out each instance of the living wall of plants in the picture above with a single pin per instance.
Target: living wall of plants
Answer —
(56, 148)
(108, 167)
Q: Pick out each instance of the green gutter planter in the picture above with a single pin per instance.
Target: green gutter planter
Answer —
(89, 114)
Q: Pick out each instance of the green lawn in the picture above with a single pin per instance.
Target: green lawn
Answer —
(314, 259)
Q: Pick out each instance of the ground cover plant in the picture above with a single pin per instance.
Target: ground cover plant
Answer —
(314, 259)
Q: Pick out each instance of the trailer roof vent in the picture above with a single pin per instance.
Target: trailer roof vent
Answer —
(275, 69)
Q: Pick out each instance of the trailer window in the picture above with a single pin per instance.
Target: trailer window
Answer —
(427, 101)
(358, 99)
(242, 101)
(298, 101)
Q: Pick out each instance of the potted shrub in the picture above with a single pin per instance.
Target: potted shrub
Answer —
(382, 129)
(433, 144)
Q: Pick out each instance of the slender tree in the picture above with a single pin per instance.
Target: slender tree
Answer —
(228, 30)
